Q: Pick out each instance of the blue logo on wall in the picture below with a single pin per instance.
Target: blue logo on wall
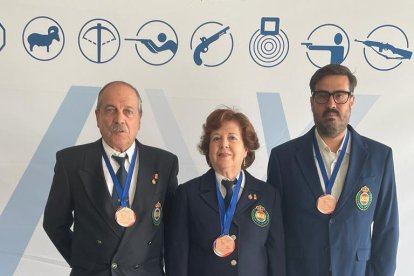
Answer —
(386, 47)
(156, 42)
(269, 45)
(327, 43)
(212, 44)
(43, 38)
(2, 37)
(99, 40)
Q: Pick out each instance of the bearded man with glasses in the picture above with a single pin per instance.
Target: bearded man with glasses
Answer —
(339, 199)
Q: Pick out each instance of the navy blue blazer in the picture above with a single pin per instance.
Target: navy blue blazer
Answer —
(195, 225)
(343, 241)
(97, 245)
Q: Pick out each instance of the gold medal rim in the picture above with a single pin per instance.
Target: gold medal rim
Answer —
(123, 209)
(324, 197)
(233, 243)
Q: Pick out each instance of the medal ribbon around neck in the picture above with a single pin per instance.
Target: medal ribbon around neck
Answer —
(330, 181)
(226, 216)
(124, 192)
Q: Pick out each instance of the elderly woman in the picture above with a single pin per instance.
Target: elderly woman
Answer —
(226, 222)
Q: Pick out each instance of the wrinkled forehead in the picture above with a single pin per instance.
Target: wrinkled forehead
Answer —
(119, 92)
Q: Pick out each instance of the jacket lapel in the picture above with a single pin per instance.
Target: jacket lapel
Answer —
(144, 186)
(95, 185)
(208, 190)
(145, 191)
(306, 162)
(250, 195)
(359, 154)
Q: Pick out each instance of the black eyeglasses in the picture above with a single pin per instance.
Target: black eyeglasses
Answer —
(322, 97)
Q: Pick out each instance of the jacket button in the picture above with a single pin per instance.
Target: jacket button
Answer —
(114, 265)
(150, 242)
(98, 241)
(137, 266)
(233, 262)
(233, 237)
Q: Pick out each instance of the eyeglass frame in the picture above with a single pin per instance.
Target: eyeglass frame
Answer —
(349, 93)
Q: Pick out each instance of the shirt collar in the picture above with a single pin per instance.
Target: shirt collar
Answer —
(323, 146)
(220, 177)
(110, 151)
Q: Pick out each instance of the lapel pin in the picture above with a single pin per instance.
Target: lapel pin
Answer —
(154, 178)
(252, 196)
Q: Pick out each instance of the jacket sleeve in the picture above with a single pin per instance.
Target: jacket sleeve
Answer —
(385, 230)
(58, 216)
(171, 189)
(177, 238)
(275, 244)
(273, 173)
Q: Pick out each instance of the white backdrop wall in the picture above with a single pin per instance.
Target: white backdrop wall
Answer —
(48, 98)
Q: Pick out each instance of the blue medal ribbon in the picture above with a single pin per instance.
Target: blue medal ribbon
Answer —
(125, 191)
(329, 182)
(226, 216)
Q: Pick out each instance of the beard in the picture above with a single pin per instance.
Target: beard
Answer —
(331, 128)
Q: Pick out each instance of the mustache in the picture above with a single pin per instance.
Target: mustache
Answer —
(331, 110)
(119, 128)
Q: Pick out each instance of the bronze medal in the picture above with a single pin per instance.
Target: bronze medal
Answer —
(224, 246)
(125, 216)
(326, 204)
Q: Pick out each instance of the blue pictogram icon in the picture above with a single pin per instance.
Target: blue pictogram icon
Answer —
(99, 40)
(269, 46)
(212, 44)
(43, 38)
(327, 43)
(156, 42)
(385, 47)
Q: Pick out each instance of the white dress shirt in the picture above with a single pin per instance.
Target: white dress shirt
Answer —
(220, 177)
(329, 159)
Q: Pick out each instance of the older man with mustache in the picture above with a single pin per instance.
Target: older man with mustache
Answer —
(109, 200)
(339, 199)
